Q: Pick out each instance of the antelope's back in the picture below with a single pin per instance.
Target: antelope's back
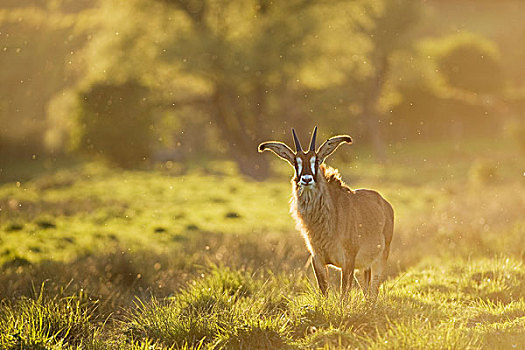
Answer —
(374, 213)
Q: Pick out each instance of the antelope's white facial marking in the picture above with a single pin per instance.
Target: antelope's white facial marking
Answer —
(305, 172)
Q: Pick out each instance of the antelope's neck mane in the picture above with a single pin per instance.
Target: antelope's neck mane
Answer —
(332, 176)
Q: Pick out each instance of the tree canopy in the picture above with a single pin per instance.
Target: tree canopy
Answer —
(221, 76)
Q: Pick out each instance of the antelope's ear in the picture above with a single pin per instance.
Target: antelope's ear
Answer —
(330, 145)
(280, 149)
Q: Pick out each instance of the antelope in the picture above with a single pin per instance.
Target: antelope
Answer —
(343, 228)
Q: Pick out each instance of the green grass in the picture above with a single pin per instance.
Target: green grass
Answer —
(134, 208)
(199, 257)
(457, 305)
(43, 323)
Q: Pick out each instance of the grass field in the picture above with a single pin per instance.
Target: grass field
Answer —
(197, 256)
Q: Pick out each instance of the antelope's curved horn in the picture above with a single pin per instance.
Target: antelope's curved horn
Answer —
(296, 141)
(312, 141)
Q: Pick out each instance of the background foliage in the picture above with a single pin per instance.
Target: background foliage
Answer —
(236, 73)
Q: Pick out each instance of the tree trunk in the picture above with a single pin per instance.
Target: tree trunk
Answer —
(372, 119)
(242, 143)
(375, 133)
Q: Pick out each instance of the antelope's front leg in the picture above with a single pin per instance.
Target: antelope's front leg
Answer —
(347, 275)
(320, 274)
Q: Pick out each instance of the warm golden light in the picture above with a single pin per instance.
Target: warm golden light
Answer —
(137, 212)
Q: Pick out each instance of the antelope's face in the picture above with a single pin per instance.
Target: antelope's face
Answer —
(306, 168)
(306, 164)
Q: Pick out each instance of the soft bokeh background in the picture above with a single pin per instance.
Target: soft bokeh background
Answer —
(129, 170)
(140, 82)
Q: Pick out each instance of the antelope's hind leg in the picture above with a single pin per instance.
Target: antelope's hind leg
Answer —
(367, 275)
(376, 276)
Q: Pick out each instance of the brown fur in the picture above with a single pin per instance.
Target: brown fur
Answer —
(343, 228)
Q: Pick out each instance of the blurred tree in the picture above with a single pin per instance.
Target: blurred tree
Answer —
(255, 64)
(249, 53)
(455, 92)
(233, 73)
(463, 58)
(115, 122)
(38, 43)
(388, 25)
(515, 129)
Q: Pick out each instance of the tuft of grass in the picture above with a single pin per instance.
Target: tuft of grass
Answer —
(13, 227)
(265, 333)
(46, 323)
(424, 335)
(194, 315)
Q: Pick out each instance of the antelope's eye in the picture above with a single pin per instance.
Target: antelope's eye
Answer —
(312, 164)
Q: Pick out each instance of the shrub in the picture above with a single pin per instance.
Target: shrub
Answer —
(114, 121)
(483, 172)
(467, 62)
(516, 131)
